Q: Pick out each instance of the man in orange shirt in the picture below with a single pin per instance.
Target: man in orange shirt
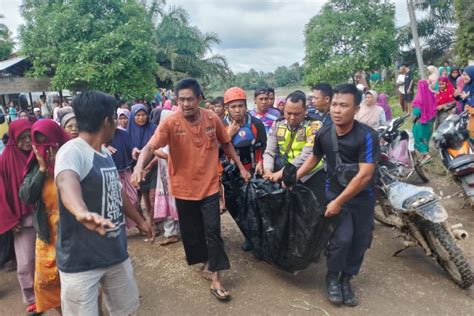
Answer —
(193, 135)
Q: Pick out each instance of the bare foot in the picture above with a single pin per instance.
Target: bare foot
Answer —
(169, 240)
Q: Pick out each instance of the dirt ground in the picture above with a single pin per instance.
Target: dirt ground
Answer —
(410, 284)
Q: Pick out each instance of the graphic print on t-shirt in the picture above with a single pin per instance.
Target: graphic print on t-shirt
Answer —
(111, 198)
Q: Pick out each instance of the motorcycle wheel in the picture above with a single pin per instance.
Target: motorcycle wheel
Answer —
(419, 169)
(448, 255)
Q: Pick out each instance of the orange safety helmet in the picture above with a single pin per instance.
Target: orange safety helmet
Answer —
(233, 94)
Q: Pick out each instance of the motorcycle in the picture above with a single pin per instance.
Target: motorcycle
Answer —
(417, 213)
(398, 151)
(456, 150)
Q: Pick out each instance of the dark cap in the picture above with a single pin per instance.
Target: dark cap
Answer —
(260, 91)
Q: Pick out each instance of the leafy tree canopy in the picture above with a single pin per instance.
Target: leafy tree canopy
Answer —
(6, 43)
(347, 36)
(465, 33)
(91, 44)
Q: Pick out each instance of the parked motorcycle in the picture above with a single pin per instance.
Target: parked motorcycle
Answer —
(417, 213)
(456, 150)
(398, 151)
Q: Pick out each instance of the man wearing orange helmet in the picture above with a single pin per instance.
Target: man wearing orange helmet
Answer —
(247, 132)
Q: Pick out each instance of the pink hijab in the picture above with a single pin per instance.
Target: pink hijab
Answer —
(167, 105)
(425, 100)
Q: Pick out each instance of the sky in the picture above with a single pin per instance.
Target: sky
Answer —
(258, 34)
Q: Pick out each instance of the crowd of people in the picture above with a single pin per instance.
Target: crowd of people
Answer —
(76, 178)
(447, 90)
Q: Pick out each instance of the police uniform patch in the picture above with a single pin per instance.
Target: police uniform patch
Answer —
(301, 135)
(281, 131)
(315, 126)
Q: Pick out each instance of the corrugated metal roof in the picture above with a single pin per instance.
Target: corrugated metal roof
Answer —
(5, 64)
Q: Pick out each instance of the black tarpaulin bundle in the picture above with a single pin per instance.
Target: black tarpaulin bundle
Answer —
(286, 228)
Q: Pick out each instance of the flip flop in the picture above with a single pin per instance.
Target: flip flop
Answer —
(31, 308)
(220, 294)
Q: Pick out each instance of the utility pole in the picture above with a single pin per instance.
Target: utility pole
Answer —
(414, 32)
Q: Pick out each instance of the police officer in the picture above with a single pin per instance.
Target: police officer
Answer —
(351, 196)
(291, 140)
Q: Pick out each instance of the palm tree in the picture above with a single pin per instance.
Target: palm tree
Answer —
(436, 28)
(183, 50)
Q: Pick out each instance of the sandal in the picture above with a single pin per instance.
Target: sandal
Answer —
(169, 240)
(31, 308)
(220, 294)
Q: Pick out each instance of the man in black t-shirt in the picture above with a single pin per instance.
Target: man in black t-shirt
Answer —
(354, 203)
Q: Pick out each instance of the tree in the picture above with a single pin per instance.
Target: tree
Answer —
(6, 43)
(435, 29)
(184, 51)
(347, 36)
(285, 76)
(91, 44)
(465, 34)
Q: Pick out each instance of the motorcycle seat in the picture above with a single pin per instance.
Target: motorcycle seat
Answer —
(460, 161)
(418, 199)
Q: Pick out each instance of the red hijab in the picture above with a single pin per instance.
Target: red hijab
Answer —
(447, 95)
(12, 162)
(56, 138)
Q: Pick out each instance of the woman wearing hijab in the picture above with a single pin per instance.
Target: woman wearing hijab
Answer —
(370, 113)
(141, 130)
(444, 99)
(165, 205)
(69, 124)
(433, 78)
(121, 150)
(453, 76)
(123, 116)
(444, 71)
(467, 91)
(382, 101)
(16, 215)
(280, 105)
(424, 114)
(38, 188)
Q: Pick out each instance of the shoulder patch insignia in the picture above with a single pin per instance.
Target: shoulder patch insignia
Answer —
(315, 126)
(281, 131)
(301, 135)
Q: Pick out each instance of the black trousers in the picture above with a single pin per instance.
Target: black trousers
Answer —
(317, 184)
(200, 225)
(346, 248)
